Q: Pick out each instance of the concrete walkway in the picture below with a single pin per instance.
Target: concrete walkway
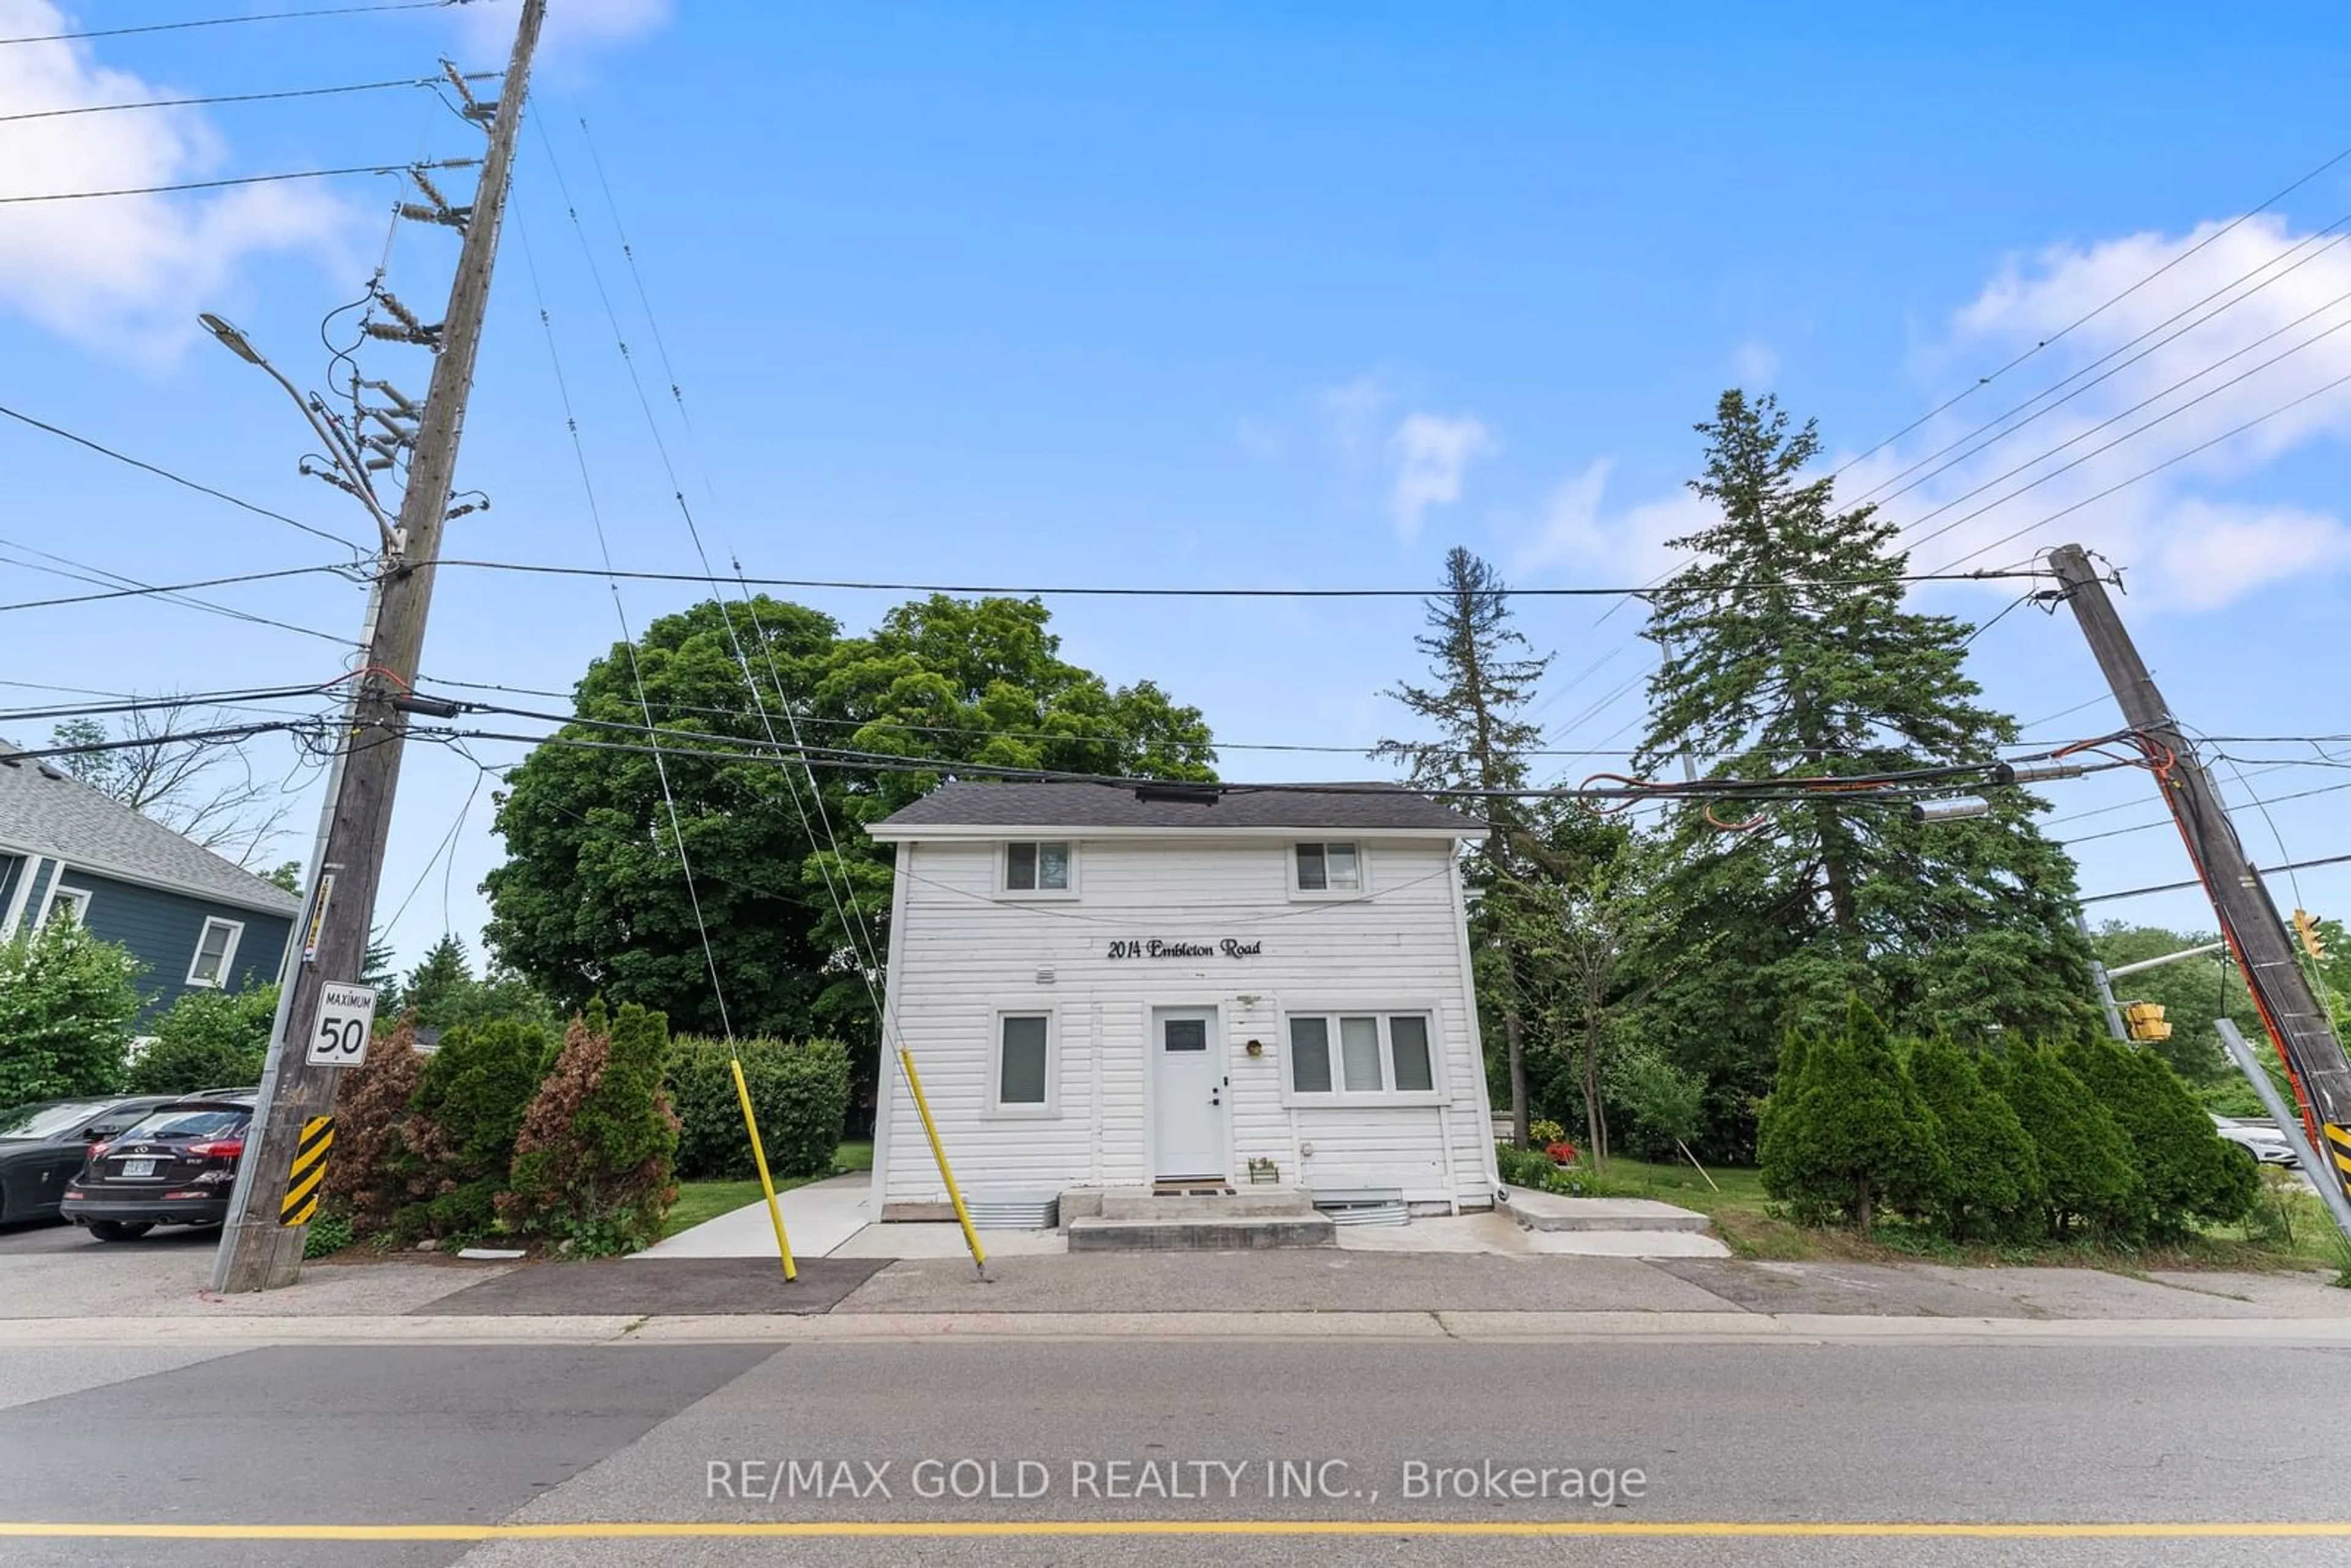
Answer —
(834, 1219)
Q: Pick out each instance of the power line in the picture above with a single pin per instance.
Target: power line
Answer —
(1364, 749)
(1129, 592)
(130, 703)
(2179, 886)
(2125, 435)
(243, 179)
(162, 473)
(169, 586)
(1993, 440)
(220, 97)
(2099, 309)
(110, 579)
(2166, 821)
(2149, 472)
(232, 21)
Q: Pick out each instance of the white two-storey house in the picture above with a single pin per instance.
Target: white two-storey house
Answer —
(1110, 986)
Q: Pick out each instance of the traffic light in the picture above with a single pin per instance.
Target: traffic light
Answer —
(2144, 1020)
(2305, 926)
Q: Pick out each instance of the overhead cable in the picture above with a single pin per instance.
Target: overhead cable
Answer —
(162, 472)
(241, 179)
(1139, 591)
(220, 97)
(232, 21)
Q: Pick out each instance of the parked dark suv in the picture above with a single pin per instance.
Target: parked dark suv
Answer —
(175, 1166)
(41, 1147)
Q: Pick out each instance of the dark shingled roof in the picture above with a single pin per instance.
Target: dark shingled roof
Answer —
(43, 811)
(1056, 805)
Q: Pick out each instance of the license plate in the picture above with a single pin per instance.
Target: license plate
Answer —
(137, 1168)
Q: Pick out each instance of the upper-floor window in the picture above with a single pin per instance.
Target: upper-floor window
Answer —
(1328, 868)
(68, 904)
(215, 951)
(1046, 866)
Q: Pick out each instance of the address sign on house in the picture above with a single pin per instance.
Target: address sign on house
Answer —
(1155, 948)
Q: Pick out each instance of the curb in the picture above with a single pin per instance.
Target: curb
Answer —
(1686, 1328)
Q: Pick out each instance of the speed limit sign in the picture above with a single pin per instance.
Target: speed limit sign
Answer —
(345, 1015)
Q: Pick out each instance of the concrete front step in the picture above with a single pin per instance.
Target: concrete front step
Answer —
(1142, 1203)
(1550, 1211)
(1192, 1233)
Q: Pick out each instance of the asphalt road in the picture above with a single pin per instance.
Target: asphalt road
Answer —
(40, 1236)
(1771, 1437)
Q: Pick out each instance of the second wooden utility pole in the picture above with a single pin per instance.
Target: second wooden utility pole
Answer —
(257, 1251)
(2250, 922)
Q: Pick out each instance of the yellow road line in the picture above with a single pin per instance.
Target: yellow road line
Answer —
(998, 1529)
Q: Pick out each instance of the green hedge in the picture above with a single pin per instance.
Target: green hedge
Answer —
(800, 1093)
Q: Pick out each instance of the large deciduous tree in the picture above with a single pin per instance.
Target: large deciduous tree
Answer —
(794, 899)
(1788, 647)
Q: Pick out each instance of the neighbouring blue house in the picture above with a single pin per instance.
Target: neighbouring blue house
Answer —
(196, 922)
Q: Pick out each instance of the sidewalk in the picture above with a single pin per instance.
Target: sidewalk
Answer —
(136, 1292)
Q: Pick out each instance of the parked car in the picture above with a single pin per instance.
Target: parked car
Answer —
(2260, 1139)
(42, 1146)
(174, 1167)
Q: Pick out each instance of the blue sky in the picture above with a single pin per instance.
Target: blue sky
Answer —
(1218, 296)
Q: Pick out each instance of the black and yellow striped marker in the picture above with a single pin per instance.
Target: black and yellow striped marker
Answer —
(2339, 1149)
(310, 1172)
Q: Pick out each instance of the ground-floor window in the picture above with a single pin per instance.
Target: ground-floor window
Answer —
(1024, 1076)
(1361, 1055)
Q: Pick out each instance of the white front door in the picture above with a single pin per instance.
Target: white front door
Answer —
(1187, 1095)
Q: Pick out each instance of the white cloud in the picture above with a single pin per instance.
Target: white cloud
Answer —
(2205, 359)
(127, 272)
(1577, 534)
(1755, 365)
(1432, 453)
(2174, 391)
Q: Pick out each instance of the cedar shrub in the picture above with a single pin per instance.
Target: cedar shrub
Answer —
(1991, 1185)
(593, 1160)
(800, 1093)
(2086, 1176)
(2187, 1172)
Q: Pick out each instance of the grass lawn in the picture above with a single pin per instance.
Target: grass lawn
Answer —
(701, 1200)
(1736, 1204)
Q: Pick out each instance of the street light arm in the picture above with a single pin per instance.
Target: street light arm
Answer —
(339, 447)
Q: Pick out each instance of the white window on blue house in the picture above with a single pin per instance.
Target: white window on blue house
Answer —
(70, 904)
(215, 951)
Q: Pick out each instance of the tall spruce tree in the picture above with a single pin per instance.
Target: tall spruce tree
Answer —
(1486, 672)
(1786, 647)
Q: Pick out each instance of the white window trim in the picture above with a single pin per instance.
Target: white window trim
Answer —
(994, 1108)
(228, 953)
(76, 898)
(1004, 890)
(1329, 895)
(1437, 1094)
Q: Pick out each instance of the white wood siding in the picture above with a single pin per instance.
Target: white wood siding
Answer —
(963, 955)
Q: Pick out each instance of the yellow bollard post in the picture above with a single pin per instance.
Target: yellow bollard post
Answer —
(939, 1153)
(767, 1183)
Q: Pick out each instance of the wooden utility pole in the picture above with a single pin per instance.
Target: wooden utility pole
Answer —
(2250, 922)
(257, 1252)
